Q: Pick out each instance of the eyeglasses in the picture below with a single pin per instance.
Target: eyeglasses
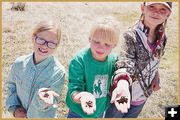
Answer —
(42, 41)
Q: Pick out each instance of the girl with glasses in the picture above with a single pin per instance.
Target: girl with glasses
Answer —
(36, 80)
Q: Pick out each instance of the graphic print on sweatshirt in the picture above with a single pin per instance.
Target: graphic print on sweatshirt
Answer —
(100, 86)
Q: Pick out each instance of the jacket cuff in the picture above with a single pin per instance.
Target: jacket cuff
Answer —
(121, 76)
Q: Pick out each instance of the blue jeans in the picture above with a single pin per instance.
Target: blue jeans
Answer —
(72, 114)
(133, 112)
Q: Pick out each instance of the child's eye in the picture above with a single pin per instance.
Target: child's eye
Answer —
(96, 42)
(150, 7)
(163, 11)
(108, 45)
(40, 38)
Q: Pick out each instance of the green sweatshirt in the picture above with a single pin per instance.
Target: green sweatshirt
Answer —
(87, 74)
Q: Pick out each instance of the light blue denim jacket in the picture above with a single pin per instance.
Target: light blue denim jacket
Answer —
(26, 79)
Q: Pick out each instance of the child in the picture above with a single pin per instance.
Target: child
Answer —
(90, 72)
(138, 64)
(36, 79)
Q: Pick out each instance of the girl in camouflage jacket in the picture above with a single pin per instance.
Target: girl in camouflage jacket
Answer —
(136, 75)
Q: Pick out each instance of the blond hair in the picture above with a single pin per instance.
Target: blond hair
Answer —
(108, 30)
(47, 26)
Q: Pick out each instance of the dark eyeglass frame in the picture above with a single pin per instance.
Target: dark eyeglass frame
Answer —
(50, 45)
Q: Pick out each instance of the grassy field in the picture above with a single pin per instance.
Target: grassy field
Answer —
(76, 20)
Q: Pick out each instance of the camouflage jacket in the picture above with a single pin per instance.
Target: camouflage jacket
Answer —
(140, 61)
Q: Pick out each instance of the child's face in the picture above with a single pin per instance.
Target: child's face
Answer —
(155, 14)
(100, 49)
(45, 44)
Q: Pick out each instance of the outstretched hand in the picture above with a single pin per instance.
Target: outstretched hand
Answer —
(121, 96)
(88, 102)
(47, 95)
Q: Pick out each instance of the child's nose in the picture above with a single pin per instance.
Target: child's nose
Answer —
(101, 46)
(157, 11)
(45, 45)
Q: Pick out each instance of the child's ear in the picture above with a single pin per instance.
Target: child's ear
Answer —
(89, 39)
(142, 8)
(169, 14)
(33, 37)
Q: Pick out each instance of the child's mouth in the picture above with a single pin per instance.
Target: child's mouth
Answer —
(99, 53)
(43, 51)
(155, 18)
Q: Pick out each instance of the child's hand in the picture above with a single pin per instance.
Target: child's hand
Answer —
(88, 102)
(155, 83)
(121, 96)
(20, 113)
(47, 95)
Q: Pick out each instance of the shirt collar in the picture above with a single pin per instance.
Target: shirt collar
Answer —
(42, 64)
(139, 25)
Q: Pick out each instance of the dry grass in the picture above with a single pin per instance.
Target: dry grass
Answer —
(76, 20)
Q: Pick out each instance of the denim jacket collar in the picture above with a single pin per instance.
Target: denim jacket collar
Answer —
(42, 64)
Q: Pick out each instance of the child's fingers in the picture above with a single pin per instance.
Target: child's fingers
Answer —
(78, 96)
(121, 107)
(129, 100)
(43, 89)
(94, 106)
(117, 105)
(84, 106)
(128, 103)
(87, 109)
(54, 94)
(90, 111)
(41, 95)
(88, 102)
(114, 95)
(51, 99)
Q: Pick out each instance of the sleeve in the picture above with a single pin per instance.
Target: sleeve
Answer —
(76, 77)
(12, 101)
(38, 106)
(125, 66)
